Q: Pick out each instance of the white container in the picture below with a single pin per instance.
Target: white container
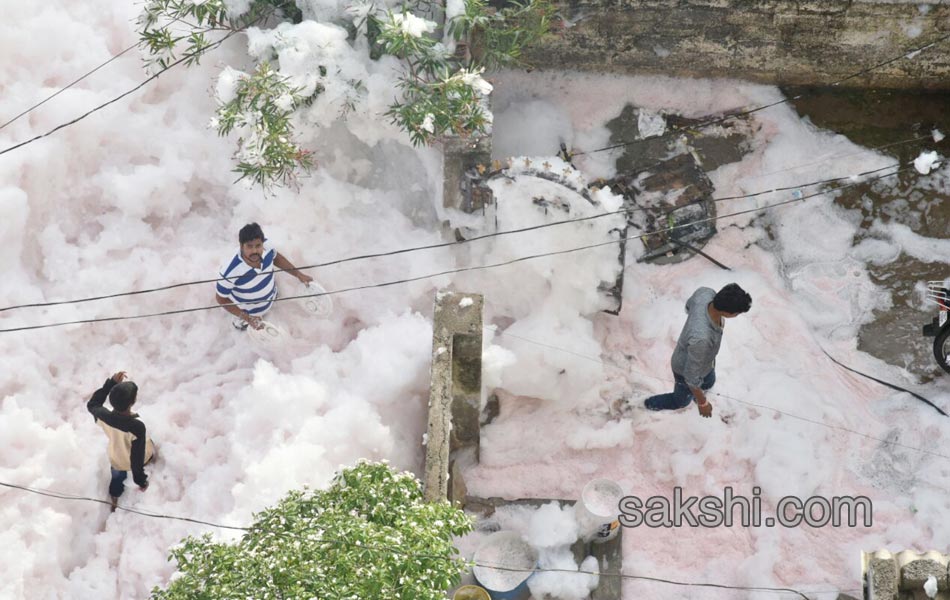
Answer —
(598, 510)
(320, 306)
(505, 549)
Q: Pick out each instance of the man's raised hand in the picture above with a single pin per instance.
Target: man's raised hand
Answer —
(119, 377)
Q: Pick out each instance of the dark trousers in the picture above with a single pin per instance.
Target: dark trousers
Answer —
(681, 396)
(117, 485)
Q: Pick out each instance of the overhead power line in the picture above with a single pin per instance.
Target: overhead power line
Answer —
(628, 210)
(400, 552)
(185, 58)
(460, 269)
(63, 89)
(727, 397)
(433, 246)
(64, 496)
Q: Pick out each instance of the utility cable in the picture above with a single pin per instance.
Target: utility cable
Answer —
(63, 496)
(185, 58)
(885, 383)
(732, 398)
(457, 270)
(61, 90)
(825, 157)
(388, 253)
(400, 552)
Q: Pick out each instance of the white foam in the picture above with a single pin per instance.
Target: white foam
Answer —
(508, 550)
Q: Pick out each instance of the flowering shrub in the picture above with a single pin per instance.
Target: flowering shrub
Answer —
(369, 535)
(441, 89)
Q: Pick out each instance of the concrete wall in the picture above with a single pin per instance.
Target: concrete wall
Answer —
(803, 42)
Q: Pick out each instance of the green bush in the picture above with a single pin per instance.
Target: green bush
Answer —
(368, 535)
(442, 92)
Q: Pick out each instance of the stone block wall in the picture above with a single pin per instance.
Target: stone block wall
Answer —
(794, 42)
(902, 576)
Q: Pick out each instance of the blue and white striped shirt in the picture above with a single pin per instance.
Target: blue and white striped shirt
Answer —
(253, 290)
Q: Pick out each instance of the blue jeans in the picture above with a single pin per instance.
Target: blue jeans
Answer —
(681, 396)
(117, 485)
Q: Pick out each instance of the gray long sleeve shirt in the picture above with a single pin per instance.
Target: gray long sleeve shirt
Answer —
(698, 344)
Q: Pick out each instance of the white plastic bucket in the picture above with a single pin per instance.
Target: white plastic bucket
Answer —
(320, 306)
(598, 510)
(268, 336)
(505, 549)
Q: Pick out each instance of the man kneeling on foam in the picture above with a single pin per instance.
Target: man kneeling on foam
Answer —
(247, 288)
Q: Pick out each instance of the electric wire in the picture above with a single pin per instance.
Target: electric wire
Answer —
(63, 89)
(708, 123)
(627, 210)
(634, 209)
(65, 496)
(732, 398)
(400, 552)
(456, 270)
(185, 58)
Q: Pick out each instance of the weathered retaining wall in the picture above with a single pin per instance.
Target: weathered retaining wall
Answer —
(801, 42)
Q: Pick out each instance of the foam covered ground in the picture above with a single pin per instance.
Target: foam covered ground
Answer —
(141, 195)
(810, 291)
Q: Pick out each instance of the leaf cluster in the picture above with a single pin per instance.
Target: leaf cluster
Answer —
(441, 93)
(261, 112)
(369, 535)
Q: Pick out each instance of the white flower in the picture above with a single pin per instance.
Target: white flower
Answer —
(213, 123)
(428, 124)
(413, 25)
(475, 81)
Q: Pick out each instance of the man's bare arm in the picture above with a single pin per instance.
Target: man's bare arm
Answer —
(705, 408)
(232, 308)
(281, 262)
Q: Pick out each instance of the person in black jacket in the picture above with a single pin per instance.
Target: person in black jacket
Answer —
(129, 445)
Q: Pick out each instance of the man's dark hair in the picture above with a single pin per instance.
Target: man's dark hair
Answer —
(122, 395)
(251, 231)
(732, 299)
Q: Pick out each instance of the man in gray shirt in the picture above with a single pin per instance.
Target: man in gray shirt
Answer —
(694, 358)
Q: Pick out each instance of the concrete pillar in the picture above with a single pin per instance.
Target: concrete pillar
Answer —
(452, 436)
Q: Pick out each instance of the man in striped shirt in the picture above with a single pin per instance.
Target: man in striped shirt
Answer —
(247, 289)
